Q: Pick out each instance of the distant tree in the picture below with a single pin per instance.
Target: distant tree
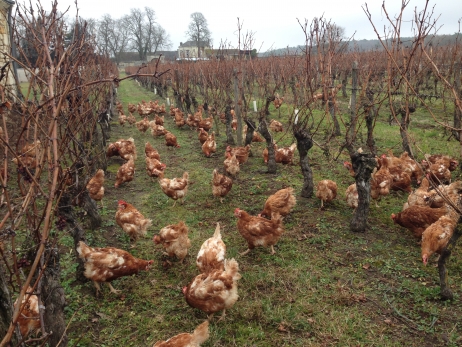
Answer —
(26, 37)
(80, 28)
(112, 37)
(104, 33)
(146, 36)
(92, 26)
(336, 33)
(198, 30)
(160, 39)
(120, 40)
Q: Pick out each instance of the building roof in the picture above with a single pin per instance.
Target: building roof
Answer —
(194, 44)
(134, 56)
(169, 55)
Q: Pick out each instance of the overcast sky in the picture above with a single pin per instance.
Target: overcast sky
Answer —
(274, 23)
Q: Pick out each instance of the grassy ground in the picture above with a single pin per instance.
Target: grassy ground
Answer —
(325, 286)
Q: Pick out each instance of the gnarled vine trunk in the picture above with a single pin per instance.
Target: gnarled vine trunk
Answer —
(229, 133)
(304, 144)
(263, 130)
(250, 131)
(66, 213)
(6, 306)
(363, 164)
(52, 295)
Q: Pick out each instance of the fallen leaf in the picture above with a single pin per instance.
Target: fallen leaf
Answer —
(360, 298)
(366, 266)
(282, 327)
(387, 321)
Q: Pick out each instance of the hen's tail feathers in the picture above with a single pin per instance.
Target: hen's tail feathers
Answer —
(201, 334)
(232, 268)
(82, 250)
(186, 176)
(145, 225)
(276, 217)
(217, 234)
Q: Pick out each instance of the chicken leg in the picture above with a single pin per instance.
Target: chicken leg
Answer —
(244, 253)
(98, 288)
(272, 250)
(113, 290)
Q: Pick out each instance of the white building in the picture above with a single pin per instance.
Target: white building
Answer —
(191, 50)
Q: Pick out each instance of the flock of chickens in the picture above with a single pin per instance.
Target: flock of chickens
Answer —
(215, 288)
(428, 213)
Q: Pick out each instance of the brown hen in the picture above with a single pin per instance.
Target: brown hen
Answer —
(214, 291)
(174, 239)
(199, 336)
(123, 148)
(143, 124)
(281, 202)
(126, 173)
(211, 256)
(29, 317)
(170, 140)
(95, 186)
(209, 146)
(151, 152)
(108, 264)
(259, 231)
(154, 167)
(418, 218)
(326, 191)
(242, 153)
(231, 164)
(175, 188)
(221, 185)
(131, 220)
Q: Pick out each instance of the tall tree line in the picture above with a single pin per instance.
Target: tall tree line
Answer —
(138, 31)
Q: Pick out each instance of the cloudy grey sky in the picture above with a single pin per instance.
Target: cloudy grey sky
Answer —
(274, 23)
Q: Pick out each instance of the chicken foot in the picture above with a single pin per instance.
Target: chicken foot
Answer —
(244, 253)
(222, 316)
(113, 290)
